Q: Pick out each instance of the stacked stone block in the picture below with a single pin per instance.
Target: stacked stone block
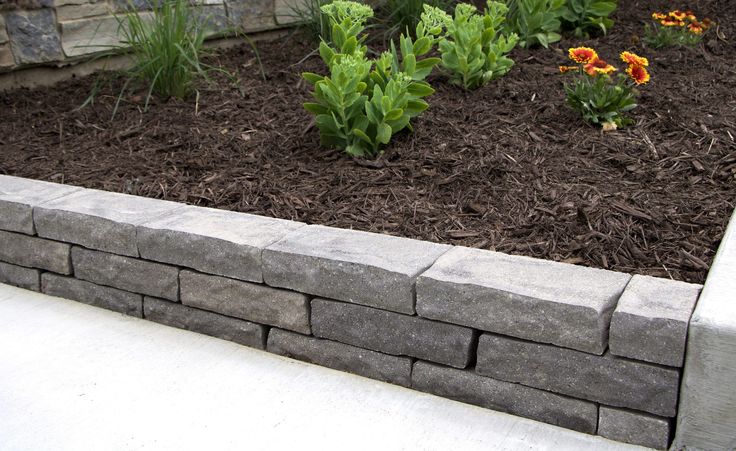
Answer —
(590, 350)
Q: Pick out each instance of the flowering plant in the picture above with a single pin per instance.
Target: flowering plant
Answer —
(596, 94)
(675, 28)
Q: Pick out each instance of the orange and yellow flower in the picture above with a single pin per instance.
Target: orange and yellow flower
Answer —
(695, 28)
(677, 14)
(582, 55)
(598, 67)
(706, 23)
(566, 69)
(672, 22)
(634, 59)
(690, 15)
(639, 74)
(659, 16)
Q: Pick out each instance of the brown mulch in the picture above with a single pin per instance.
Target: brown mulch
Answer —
(507, 167)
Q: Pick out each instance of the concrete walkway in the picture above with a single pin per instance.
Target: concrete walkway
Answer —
(74, 377)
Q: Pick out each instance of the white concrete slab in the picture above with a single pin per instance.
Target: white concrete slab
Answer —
(76, 377)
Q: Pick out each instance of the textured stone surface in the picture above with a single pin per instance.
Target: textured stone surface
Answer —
(18, 196)
(34, 252)
(339, 356)
(20, 276)
(634, 427)
(71, 12)
(251, 15)
(97, 34)
(465, 386)
(204, 322)
(3, 30)
(358, 267)
(651, 318)
(218, 242)
(523, 297)
(213, 18)
(392, 333)
(245, 300)
(605, 379)
(6, 57)
(99, 219)
(89, 293)
(287, 11)
(33, 36)
(134, 5)
(707, 411)
(129, 274)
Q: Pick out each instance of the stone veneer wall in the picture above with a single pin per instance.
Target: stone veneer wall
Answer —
(60, 32)
(591, 350)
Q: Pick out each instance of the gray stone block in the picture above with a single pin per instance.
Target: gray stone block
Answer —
(129, 274)
(339, 356)
(393, 333)
(358, 267)
(34, 252)
(651, 319)
(3, 31)
(523, 297)
(88, 293)
(251, 15)
(27, 278)
(33, 36)
(18, 196)
(213, 241)
(606, 379)
(249, 301)
(177, 315)
(634, 427)
(98, 219)
(465, 386)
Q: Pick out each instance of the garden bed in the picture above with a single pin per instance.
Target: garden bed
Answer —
(507, 167)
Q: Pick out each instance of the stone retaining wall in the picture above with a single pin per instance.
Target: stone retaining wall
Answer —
(60, 32)
(587, 349)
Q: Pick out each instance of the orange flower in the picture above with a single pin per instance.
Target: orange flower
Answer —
(634, 59)
(639, 74)
(677, 14)
(659, 16)
(695, 28)
(565, 69)
(598, 67)
(672, 22)
(582, 55)
(690, 15)
(706, 23)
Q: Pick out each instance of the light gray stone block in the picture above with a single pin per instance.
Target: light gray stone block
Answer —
(707, 411)
(27, 278)
(18, 196)
(523, 297)
(3, 31)
(634, 427)
(88, 293)
(651, 318)
(129, 274)
(99, 219)
(34, 252)
(7, 60)
(249, 301)
(33, 36)
(606, 379)
(72, 12)
(358, 267)
(213, 241)
(339, 356)
(465, 386)
(251, 15)
(392, 333)
(180, 316)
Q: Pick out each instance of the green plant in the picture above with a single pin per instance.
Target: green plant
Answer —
(363, 102)
(166, 49)
(587, 16)
(308, 17)
(675, 28)
(600, 98)
(403, 16)
(473, 47)
(537, 22)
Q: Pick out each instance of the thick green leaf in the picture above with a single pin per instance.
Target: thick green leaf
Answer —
(316, 108)
(383, 134)
(312, 78)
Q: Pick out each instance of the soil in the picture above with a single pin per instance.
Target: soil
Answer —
(508, 167)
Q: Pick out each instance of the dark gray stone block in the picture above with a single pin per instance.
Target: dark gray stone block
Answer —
(523, 297)
(88, 293)
(634, 427)
(651, 320)
(33, 252)
(606, 379)
(180, 316)
(249, 301)
(18, 196)
(33, 36)
(27, 278)
(339, 356)
(393, 333)
(129, 274)
(466, 386)
(352, 266)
